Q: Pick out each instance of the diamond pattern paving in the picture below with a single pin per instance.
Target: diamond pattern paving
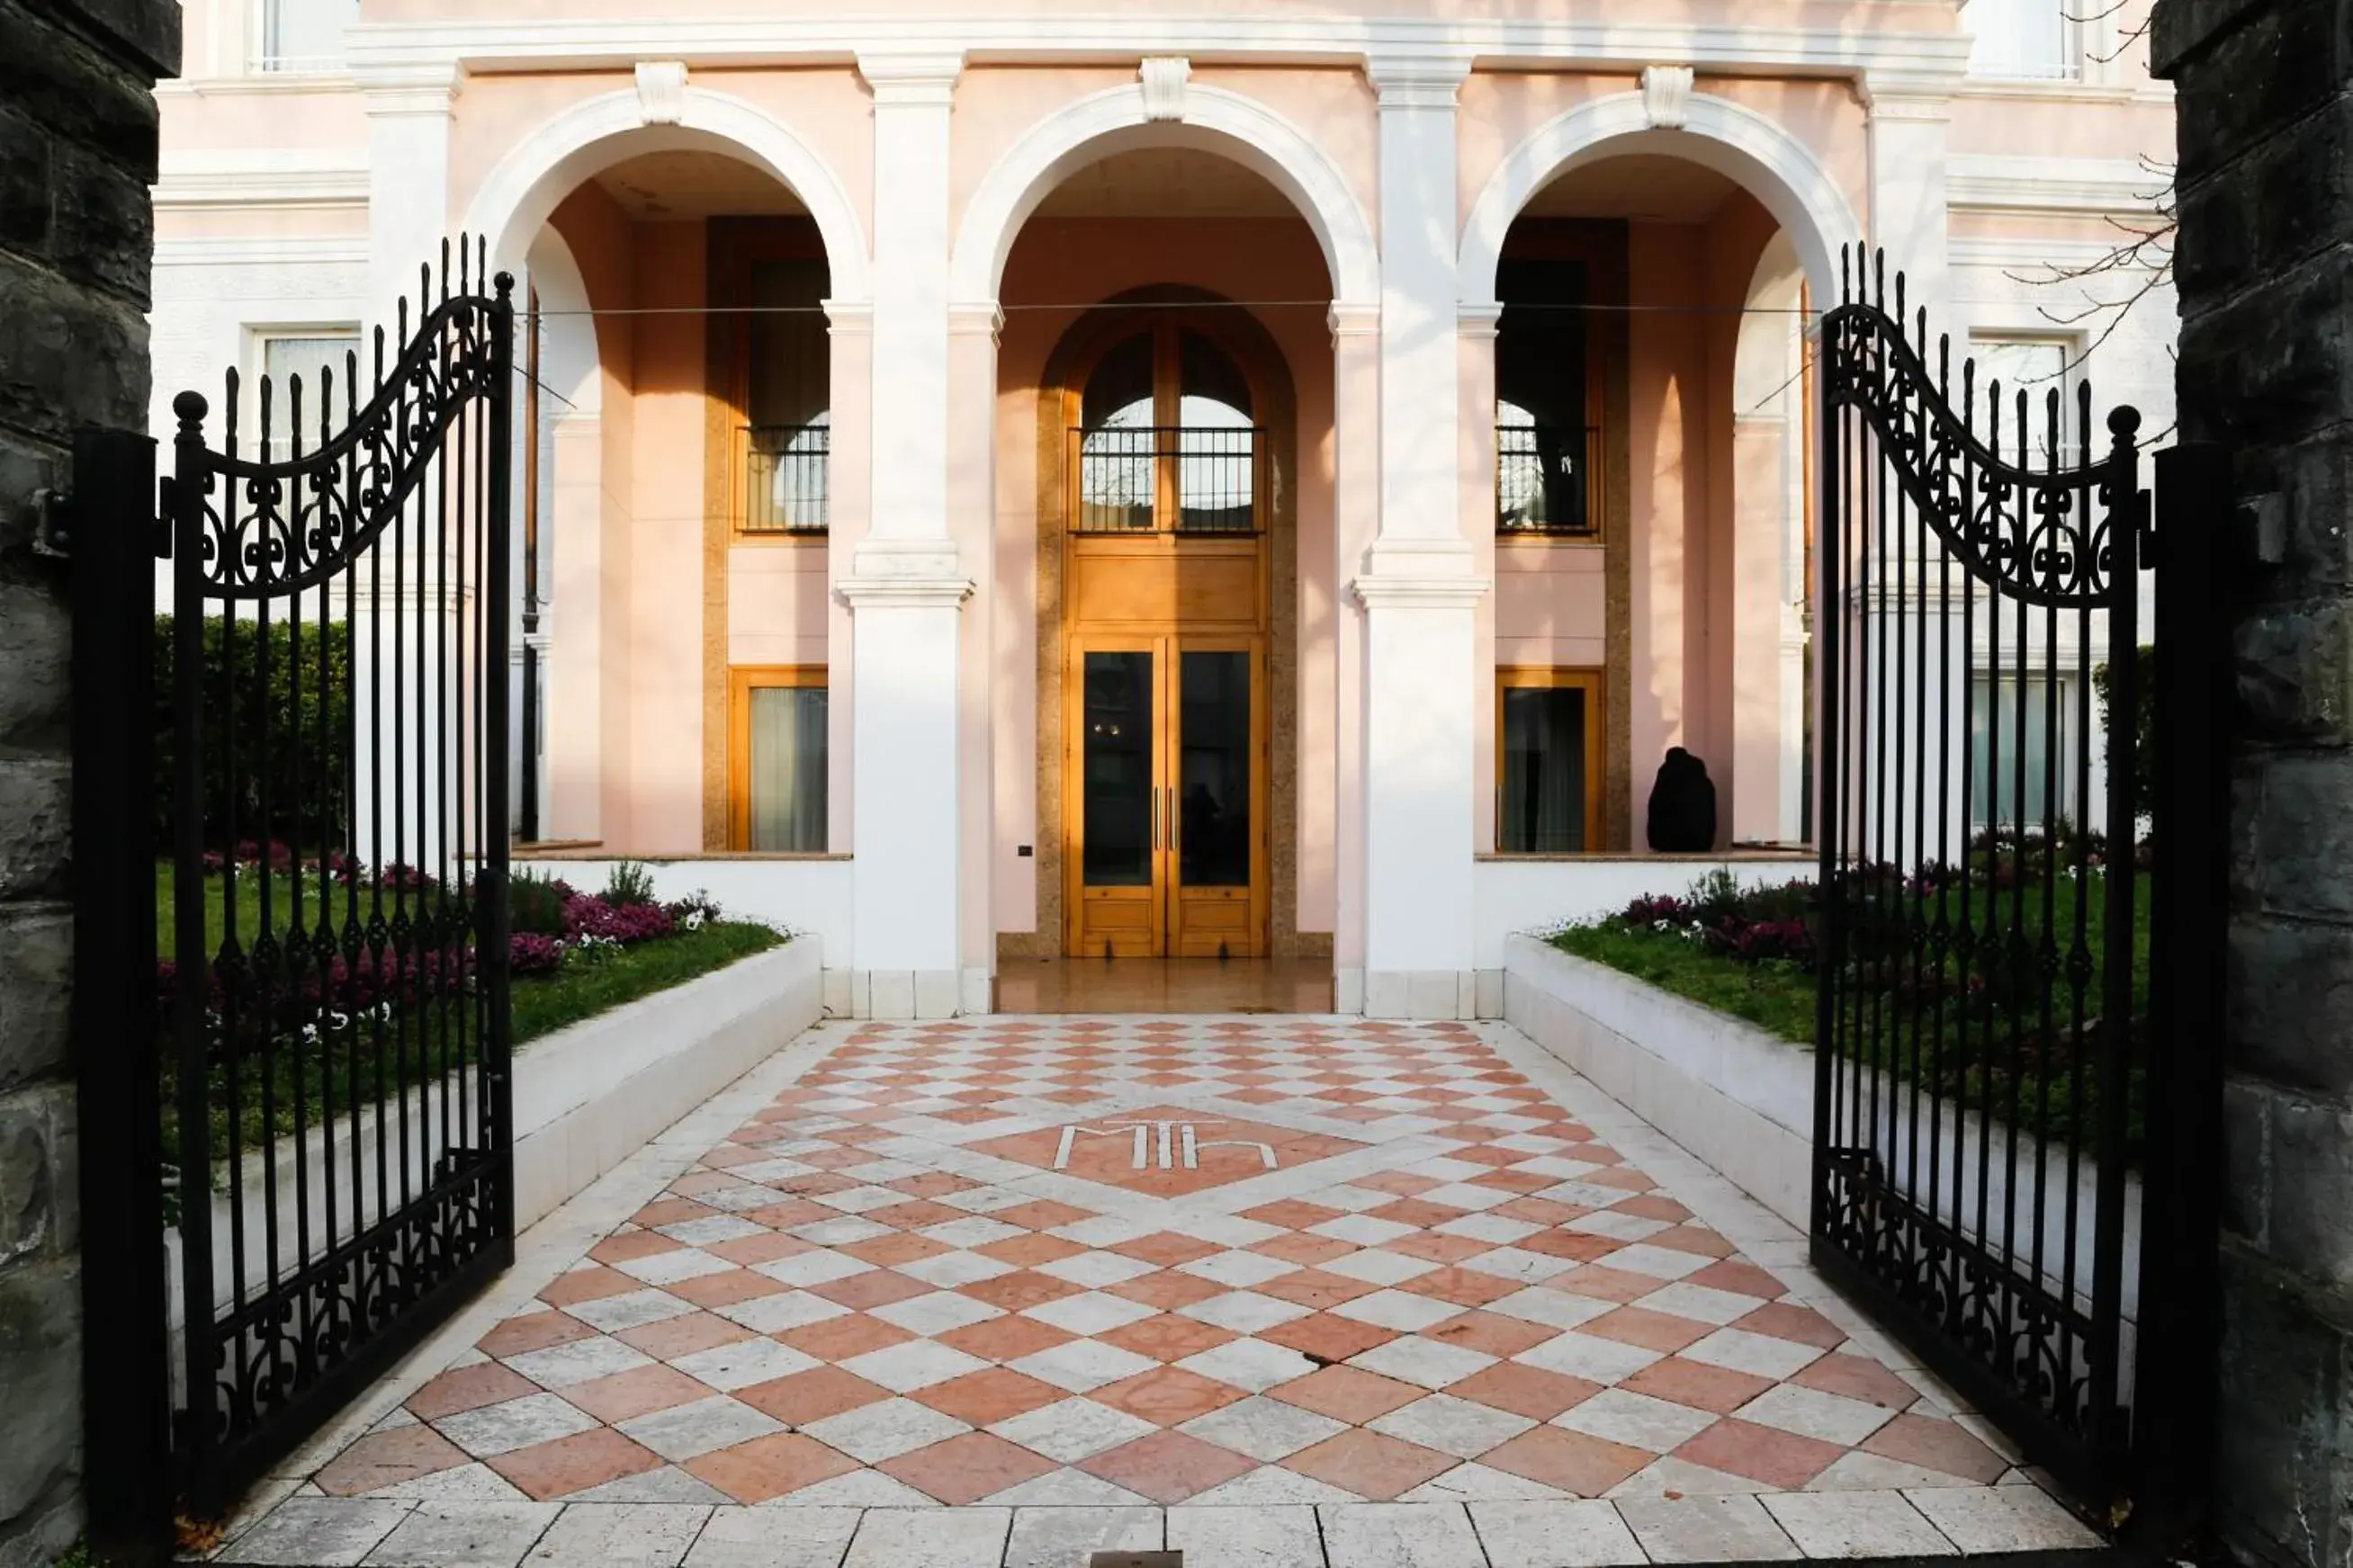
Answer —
(1269, 1260)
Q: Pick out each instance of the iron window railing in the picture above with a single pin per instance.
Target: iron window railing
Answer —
(1548, 480)
(785, 478)
(1170, 479)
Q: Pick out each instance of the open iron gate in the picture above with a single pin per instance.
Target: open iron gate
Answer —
(305, 1106)
(2007, 1087)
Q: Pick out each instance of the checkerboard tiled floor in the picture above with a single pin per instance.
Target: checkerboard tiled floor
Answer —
(1118, 1267)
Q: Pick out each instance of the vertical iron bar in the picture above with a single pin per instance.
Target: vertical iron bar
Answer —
(126, 1391)
(491, 973)
(2126, 514)
(192, 958)
(1829, 791)
(531, 524)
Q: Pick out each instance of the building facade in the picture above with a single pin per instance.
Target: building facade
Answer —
(1011, 482)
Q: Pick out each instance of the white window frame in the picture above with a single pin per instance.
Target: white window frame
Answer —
(1993, 55)
(260, 60)
(258, 337)
(2070, 345)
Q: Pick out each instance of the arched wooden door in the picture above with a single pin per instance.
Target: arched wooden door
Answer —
(1166, 716)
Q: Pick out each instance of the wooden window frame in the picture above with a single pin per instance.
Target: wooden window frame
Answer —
(742, 679)
(1594, 682)
(1166, 332)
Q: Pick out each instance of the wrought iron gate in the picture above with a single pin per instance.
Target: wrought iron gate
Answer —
(1991, 1084)
(311, 1090)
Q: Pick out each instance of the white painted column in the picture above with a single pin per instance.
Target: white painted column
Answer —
(1909, 127)
(973, 334)
(1418, 583)
(905, 585)
(407, 605)
(1909, 220)
(1355, 522)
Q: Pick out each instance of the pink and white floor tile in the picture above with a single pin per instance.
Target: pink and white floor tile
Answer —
(1090, 1280)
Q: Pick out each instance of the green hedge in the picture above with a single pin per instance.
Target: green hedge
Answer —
(306, 767)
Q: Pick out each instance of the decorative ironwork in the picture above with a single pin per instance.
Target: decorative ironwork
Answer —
(1169, 480)
(1547, 480)
(336, 1108)
(1983, 1070)
(786, 474)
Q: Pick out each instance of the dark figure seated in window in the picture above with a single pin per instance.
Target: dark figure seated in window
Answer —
(1682, 806)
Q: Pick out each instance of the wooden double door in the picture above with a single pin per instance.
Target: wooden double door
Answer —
(1166, 850)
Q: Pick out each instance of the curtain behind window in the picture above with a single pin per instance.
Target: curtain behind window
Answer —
(1544, 770)
(787, 769)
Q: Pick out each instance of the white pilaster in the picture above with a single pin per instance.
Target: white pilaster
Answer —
(408, 117)
(1909, 131)
(1357, 505)
(906, 584)
(1418, 583)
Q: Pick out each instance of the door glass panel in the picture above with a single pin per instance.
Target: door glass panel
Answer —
(1119, 781)
(1213, 789)
(1544, 770)
(1216, 456)
(1118, 450)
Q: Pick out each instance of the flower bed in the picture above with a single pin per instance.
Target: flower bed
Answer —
(1751, 953)
(336, 974)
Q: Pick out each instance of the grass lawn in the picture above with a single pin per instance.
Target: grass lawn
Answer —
(545, 1003)
(426, 1039)
(1931, 1027)
(1777, 997)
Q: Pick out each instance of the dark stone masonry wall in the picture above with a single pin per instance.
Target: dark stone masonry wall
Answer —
(76, 156)
(2264, 265)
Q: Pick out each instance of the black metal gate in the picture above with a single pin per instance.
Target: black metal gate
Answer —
(306, 1102)
(1994, 1086)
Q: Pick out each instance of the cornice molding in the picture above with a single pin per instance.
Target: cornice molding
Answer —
(849, 318)
(1477, 320)
(277, 178)
(423, 86)
(1353, 321)
(925, 76)
(2051, 184)
(1417, 79)
(1939, 56)
(976, 318)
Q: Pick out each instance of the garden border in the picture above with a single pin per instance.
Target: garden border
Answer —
(1738, 1099)
(592, 1093)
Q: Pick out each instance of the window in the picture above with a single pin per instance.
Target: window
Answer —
(1547, 445)
(777, 759)
(787, 386)
(2001, 737)
(322, 358)
(1165, 439)
(2033, 39)
(303, 35)
(1548, 761)
(2036, 363)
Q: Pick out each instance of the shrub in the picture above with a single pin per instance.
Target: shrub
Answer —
(530, 952)
(695, 911)
(254, 685)
(598, 918)
(535, 905)
(629, 884)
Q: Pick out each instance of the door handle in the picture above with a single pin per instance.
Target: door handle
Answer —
(1172, 818)
(1155, 819)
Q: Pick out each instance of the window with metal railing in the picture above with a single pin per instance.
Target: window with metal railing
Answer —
(1546, 478)
(1168, 479)
(785, 479)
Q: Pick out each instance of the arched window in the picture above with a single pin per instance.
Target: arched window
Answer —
(1166, 442)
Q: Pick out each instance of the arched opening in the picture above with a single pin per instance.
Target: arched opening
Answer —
(1175, 492)
(686, 491)
(1647, 475)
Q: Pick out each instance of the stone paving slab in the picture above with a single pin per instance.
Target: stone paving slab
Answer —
(1275, 1290)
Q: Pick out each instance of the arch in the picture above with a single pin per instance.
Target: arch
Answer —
(546, 166)
(1778, 169)
(569, 365)
(1216, 121)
